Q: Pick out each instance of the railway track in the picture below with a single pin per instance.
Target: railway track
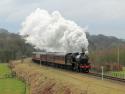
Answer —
(100, 76)
(96, 75)
(90, 74)
(107, 77)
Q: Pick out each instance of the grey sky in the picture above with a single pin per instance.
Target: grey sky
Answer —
(101, 16)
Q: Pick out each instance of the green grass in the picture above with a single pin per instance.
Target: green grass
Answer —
(4, 69)
(10, 85)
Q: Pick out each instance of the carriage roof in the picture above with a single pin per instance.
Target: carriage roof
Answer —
(55, 53)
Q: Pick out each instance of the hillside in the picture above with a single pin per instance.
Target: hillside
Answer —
(104, 49)
(12, 46)
(99, 42)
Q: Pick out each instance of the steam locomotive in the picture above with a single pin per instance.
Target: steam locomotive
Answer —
(75, 61)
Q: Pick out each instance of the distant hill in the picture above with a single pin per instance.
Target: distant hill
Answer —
(99, 42)
(12, 46)
(2, 30)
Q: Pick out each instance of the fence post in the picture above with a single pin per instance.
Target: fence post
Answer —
(102, 71)
(124, 75)
(40, 62)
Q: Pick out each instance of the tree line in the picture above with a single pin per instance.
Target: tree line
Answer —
(12, 46)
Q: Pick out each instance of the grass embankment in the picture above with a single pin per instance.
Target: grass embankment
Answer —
(46, 80)
(9, 85)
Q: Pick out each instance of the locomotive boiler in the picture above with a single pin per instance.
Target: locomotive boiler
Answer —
(75, 61)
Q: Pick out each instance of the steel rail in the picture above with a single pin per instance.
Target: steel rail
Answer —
(90, 73)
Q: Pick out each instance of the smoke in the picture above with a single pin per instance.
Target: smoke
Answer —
(53, 33)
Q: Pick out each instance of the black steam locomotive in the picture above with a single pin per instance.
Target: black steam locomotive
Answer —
(75, 61)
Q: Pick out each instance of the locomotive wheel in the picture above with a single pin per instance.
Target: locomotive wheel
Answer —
(87, 70)
(76, 67)
(81, 70)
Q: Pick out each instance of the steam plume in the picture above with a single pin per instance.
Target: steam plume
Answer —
(53, 32)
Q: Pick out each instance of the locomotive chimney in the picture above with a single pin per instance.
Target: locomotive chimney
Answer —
(83, 50)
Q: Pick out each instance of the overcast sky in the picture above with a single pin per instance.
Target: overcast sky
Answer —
(100, 16)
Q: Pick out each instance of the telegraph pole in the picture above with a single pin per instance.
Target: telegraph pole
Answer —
(118, 57)
(102, 68)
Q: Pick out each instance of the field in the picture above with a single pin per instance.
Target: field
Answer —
(10, 85)
(4, 69)
(119, 74)
(108, 56)
(47, 80)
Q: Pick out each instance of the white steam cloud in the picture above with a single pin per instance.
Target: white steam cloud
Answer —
(53, 33)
